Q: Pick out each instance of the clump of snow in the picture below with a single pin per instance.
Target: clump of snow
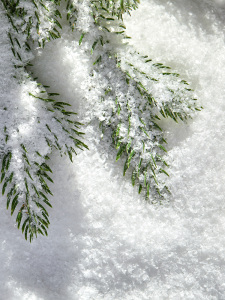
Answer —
(104, 241)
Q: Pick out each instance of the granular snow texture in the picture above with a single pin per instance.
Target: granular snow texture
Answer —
(105, 241)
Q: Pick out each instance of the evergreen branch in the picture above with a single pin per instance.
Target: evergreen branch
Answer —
(25, 171)
(132, 94)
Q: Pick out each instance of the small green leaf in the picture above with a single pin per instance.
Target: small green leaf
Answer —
(70, 156)
(130, 157)
(3, 176)
(26, 185)
(48, 177)
(19, 218)
(60, 103)
(42, 221)
(153, 159)
(118, 129)
(46, 167)
(148, 187)
(77, 132)
(81, 38)
(28, 173)
(127, 163)
(36, 191)
(42, 207)
(4, 162)
(133, 177)
(53, 94)
(97, 60)
(26, 229)
(24, 224)
(14, 203)
(144, 131)
(157, 126)
(140, 189)
(120, 152)
(40, 231)
(161, 147)
(128, 147)
(93, 46)
(139, 167)
(43, 227)
(45, 215)
(57, 23)
(5, 185)
(163, 171)
(46, 202)
(145, 179)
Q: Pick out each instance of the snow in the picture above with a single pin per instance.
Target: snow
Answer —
(105, 241)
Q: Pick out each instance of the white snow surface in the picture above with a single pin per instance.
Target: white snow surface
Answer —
(105, 241)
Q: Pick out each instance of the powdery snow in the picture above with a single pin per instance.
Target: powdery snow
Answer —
(105, 241)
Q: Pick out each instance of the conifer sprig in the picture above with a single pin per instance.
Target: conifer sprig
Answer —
(135, 91)
(25, 172)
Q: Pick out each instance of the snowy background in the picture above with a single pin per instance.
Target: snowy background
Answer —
(104, 241)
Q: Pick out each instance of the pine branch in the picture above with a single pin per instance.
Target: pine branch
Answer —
(25, 173)
(134, 92)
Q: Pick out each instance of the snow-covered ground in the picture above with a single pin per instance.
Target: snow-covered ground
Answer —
(104, 241)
